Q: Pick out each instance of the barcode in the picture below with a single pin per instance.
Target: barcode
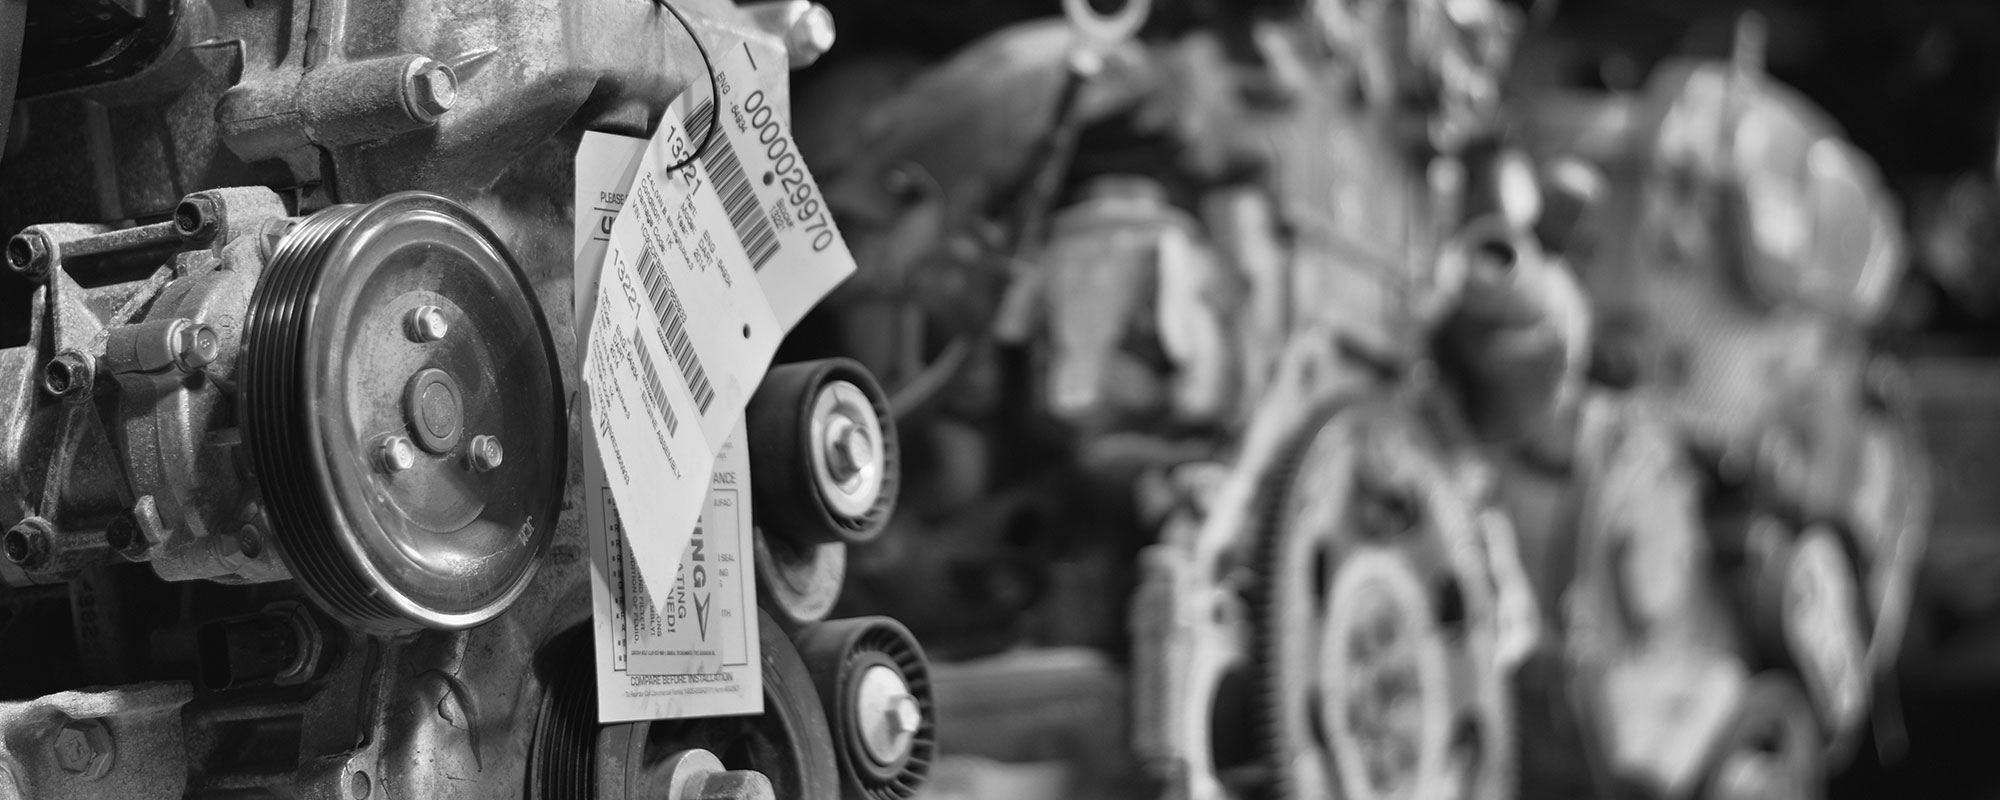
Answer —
(673, 328)
(752, 229)
(654, 390)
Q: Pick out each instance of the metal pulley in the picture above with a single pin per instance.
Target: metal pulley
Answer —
(1378, 623)
(824, 451)
(875, 683)
(798, 583)
(403, 414)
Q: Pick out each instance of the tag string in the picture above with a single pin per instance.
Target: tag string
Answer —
(714, 90)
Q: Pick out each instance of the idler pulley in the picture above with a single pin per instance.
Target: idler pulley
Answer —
(876, 684)
(402, 409)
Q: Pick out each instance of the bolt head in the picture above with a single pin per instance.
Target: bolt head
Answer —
(433, 89)
(486, 453)
(426, 324)
(849, 450)
(905, 715)
(736, 784)
(397, 453)
(83, 747)
(196, 345)
(888, 713)
(809, 37)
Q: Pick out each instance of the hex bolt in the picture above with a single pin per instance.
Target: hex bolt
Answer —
(195, 217)
(426, 324)
(396, 453)
(809, 36)
(70, 376)
(888, 713)
(736, 784)
(28, 254)
(848, 449)
(83, 748)
(27, 544)
(195, 346)
(429, 89)
(486, 453)
(904, 715)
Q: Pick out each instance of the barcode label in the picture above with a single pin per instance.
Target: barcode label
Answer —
(674, 329)
(752, 228)
(655, 392)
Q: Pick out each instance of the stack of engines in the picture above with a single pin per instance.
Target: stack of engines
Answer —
(1413, 441)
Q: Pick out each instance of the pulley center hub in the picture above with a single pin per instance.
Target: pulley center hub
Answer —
(846, 454)
(435, 410)
(888, 712)
(1385, 677)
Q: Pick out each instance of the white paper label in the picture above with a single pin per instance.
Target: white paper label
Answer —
(691, 649)
(684, 643)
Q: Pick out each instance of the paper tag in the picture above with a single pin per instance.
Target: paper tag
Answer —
(691, 650)
(683, 329)
(683, 643)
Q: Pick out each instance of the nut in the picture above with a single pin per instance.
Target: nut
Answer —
(83, 747)
(71, 375)
(28, 254)
(27, 544)
(431, 89)
(195, 217)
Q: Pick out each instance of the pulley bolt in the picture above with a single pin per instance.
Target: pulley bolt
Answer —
(397, 453)
(486, 453)
(849, 451)
(809, 36)
(195, 346)
(70, 376)
(426, 324)
(27, 543)
(888, 713)
(430, 88)
(83, 748)
(904, 715)
(736, 784)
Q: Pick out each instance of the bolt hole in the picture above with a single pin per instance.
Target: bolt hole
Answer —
(746, 331)
(119, 533)
(188, 218)
(59, 376)
(17, 546)
(19, 254)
